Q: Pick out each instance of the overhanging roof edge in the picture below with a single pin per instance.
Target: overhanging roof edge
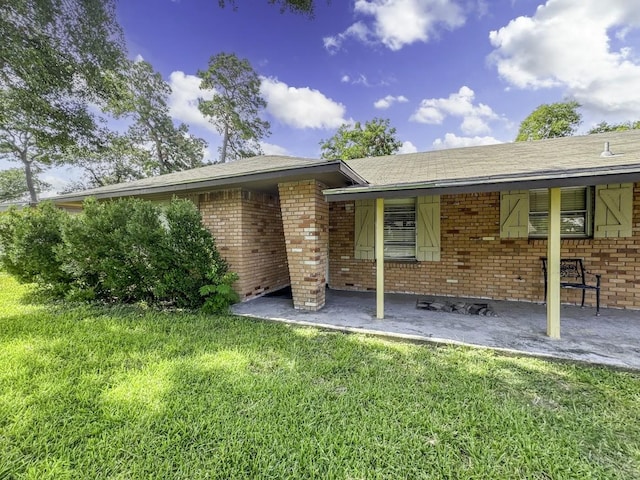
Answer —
(466, 186)
(336, 166)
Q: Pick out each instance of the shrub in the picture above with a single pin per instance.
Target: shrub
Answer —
(119, 251)
(131, 251)
(189, 259)
(30, 239)
(110, 249)
(219, 295)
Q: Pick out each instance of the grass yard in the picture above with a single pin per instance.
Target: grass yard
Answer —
(90, 392)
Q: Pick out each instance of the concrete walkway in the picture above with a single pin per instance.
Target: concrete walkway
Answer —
(611, 339)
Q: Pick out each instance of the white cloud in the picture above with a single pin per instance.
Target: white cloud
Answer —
(475, 117)
(362, 79)
(208, 156)
(271, 149)
(358, 30)
(183, 102)
(389, 100)
(396, 23)
(451, 140)
(58, 180)
(407, 147)
(568, 44)
(301, 107)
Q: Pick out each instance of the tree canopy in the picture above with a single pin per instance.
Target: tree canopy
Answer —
(145, 101)
(377, 138)
(13, 184)
(54, 52)
(235, 107)
(56, 57)
(604, 127)
(549, 121)
(29, 137)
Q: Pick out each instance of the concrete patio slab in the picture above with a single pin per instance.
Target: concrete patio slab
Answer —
(612, 339)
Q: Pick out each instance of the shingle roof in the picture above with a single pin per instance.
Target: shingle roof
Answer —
(506, 159)
(555, 162)
(578, 157)
(246, 166)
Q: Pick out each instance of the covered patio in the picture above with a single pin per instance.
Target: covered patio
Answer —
(611, 339)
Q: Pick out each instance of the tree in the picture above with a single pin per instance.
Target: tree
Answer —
(55, 57)
(235, 107)
(115, 158)
(144, 99)
(377, 138)
(28, 136)
(550, 121)
(13, 184)
(53, 46)
(604, 127)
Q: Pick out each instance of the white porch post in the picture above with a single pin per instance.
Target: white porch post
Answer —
(553, 265)
(379, 239)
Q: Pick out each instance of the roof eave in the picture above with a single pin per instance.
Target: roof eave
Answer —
(477, 186)
(230, 181)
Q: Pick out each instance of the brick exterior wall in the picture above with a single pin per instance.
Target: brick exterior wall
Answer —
(476, 262)
(305, 216)
(248, 230)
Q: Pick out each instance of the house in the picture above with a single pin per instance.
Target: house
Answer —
(470, 222)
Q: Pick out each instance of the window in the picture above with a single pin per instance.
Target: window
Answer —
(575, 212)
(400, 229)
(411, 229)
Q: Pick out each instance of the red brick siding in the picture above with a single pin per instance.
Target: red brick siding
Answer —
(476, 262)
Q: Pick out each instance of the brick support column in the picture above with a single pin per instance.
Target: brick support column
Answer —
(305, 218)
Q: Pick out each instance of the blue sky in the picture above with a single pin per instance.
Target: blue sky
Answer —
(447, 73)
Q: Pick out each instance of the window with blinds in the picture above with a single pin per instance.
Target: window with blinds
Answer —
(575, 212)
(400, 229)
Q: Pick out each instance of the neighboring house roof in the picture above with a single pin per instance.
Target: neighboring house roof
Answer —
(261, 173)
(563, 161)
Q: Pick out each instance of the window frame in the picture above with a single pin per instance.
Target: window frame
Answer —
(587, 213)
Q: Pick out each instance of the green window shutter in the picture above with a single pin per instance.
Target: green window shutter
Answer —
(614, 210)
(428, 229)
(514, 214)
(365, 229)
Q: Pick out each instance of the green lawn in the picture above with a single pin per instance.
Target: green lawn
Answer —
(88, 392)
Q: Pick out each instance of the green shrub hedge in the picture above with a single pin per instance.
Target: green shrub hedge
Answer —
(123, 251)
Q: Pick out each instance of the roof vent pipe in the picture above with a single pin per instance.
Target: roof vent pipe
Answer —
(606, 152)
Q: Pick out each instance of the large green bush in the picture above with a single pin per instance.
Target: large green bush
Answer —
(29, 241)
(110, 249)
(124, 251)
(188, 259)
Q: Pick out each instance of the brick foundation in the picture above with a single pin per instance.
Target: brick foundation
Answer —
(305, 216)
(476, 262)
(248, 230)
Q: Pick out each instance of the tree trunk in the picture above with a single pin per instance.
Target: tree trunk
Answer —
(225, 141)
(33, 195)
(162, 161)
